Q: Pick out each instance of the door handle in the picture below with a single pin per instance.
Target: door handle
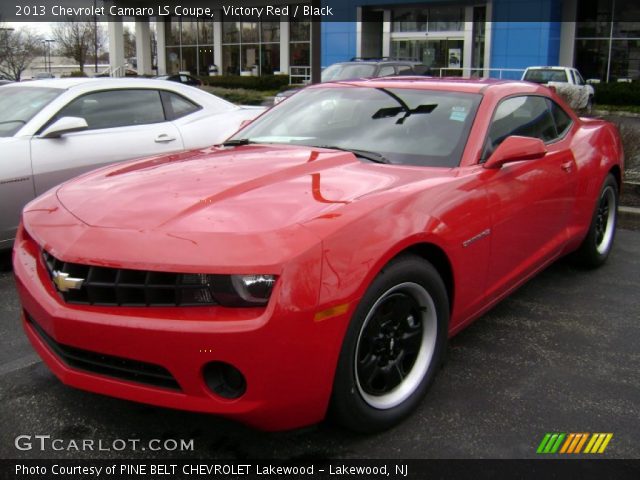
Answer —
(164, 138)
(567, 166)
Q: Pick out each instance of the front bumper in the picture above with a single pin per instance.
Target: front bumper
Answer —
(287, 358)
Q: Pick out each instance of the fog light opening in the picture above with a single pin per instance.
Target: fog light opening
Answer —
(224, 380)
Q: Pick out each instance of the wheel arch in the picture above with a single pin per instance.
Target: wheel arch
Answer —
(617, 173)
(440, 261)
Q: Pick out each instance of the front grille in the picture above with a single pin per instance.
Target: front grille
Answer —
(124, 287)
(117, 367)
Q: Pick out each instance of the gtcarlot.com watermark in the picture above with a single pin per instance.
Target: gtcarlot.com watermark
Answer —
(45, 443)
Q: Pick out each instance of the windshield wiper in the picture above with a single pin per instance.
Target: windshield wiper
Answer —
(369, 155)
(236, 142)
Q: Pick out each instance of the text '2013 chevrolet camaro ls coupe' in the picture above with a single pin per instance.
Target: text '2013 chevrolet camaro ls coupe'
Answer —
(319, 259)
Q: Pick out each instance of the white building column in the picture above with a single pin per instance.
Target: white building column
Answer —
(161, 46)
(116, 48)
(217, 41)
(143, 47)
(386, 33)
(285, 34)
(468, 42)
(568, 33)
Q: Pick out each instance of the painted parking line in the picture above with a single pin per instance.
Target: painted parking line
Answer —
(19, 363)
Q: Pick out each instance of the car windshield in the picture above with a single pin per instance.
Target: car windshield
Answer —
(18, 105)
(392, 125)
(545, 75)
(345, 71)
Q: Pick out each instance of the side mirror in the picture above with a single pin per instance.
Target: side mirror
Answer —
(64, 125)
(515, 149)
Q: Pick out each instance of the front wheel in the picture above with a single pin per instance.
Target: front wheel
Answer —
(598, 243)
(393, 346)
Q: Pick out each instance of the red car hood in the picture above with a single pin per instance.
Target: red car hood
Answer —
(252, 188)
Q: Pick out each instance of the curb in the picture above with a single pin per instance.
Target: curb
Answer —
(629, 217)
(614, 113)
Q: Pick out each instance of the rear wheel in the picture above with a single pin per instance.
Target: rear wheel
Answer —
(393, 346)
(598, 243)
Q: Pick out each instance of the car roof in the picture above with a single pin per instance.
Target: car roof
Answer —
(96, 83)
(453, 84)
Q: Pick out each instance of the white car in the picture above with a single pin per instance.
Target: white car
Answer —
(52, 130)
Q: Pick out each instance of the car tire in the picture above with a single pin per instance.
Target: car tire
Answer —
(393, 347)
(597, 245)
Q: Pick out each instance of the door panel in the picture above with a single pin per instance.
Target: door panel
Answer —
(58, 159)
(16, 185)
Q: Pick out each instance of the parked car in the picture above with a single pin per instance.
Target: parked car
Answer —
(359, 68)
(43, 76)
(52, 130)
(182, 78)
(320, 258)
(566, 81)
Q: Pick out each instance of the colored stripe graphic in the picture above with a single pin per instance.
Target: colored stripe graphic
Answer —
(573, 443)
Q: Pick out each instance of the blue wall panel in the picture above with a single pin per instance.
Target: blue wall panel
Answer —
(517, 42)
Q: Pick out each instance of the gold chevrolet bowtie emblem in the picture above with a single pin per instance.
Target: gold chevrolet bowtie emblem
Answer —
(66, 283)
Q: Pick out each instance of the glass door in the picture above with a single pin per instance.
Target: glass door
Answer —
(443, 57)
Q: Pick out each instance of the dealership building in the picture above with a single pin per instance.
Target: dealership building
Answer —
(497, 38)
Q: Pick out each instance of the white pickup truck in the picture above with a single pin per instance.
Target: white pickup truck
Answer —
(567, 82)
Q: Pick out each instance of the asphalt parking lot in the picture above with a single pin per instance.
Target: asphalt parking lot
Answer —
(560, 355)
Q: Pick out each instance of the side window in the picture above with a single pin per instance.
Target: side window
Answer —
(177, 106)
(403, 68)
(386, 70)
(526, 116)
(579, 79)
(561, 118)
(116, 108)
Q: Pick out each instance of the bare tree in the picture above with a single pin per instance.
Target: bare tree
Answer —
(78, 40)
(129, 43)
(18, 49)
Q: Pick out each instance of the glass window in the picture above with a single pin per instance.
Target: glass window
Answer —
(205, 33)
(116, 108)
(444, 19)
(189, 32)
(249, 32)
(625, 60)
(270, 31)
(346, 71)
(526, 116)
(270, 57)
(177, 106)
(230, 32)
(592, 58)
(300, 31)
(189, 62)
(406, 126)
(386, 70)
(626, 9)
(173, 59)
(19, 105)
(205, 59)
(231, 59)
(594, 18)
(250, 57)
(546, 75)
(173, 31)
(300, 54)
(561, 118)
(410, 19)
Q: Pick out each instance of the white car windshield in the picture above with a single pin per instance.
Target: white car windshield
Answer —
(18, 105)
(388, 125)
(346, 71)
(545, 75)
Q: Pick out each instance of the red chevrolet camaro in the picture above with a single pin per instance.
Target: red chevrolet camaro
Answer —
(318, 260)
